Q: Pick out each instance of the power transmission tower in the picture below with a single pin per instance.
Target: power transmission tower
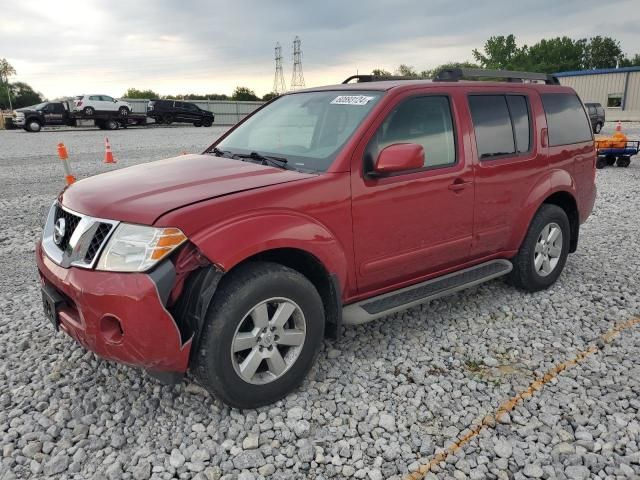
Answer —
(297, 79)
(279, 86)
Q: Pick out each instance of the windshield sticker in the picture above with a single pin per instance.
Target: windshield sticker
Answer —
(351, 100)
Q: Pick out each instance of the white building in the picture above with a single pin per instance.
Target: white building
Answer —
(616, 89)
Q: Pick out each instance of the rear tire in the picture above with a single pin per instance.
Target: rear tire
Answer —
(111, 124)
(207, 123)
(88, 111)
(197, 124)
(245, 309)
(544, 251)
(168, 119)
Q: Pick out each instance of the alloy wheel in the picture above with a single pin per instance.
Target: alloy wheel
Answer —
(548, 249)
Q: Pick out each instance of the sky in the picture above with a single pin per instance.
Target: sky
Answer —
(65, 48)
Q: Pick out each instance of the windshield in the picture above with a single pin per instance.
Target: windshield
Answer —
(307, 129)
(39, 106)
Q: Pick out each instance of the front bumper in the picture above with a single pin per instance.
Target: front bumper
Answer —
(19, 121)
(119, 316)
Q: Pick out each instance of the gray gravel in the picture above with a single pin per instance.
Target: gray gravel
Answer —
(379, 403)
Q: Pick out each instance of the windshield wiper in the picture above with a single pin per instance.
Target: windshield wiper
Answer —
(221, 153)
(279, 162)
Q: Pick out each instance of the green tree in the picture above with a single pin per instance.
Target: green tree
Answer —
(378, 72)
(22, 95)
(269, 96)
(432, 73)
(244, 94)
(501, 52)
(556, 55)
(6, 71)
(630, 62)
(602, 52)
(406, 71)
(145, 94)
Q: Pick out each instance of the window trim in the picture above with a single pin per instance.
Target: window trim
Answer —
(369, 173)
(515, 154)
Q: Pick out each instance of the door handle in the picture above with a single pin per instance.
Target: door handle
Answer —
(458, 185)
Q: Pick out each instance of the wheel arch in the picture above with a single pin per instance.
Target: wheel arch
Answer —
(559, 189)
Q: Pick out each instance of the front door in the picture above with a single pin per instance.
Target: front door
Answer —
(411, 224)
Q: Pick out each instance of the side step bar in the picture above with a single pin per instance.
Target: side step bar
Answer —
(407, 297)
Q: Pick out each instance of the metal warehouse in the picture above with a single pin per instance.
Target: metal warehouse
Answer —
(616, 89)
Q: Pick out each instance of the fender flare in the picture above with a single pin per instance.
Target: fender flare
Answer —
(555, 181)
(230, 242)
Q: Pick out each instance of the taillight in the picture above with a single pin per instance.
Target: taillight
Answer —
(79, 103)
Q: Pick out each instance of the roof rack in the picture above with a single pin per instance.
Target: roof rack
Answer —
(376, 78)
(455, 74)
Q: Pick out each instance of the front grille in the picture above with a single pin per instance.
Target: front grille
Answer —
(71, 222)
(96, 242)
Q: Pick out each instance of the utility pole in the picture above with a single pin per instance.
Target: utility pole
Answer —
(297, 78)
(279, 86)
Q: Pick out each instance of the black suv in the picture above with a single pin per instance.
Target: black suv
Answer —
(169, 111)
(596, 115)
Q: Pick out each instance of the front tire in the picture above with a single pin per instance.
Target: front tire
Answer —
(33, 126)
(544, 250)
(123, 111)
(261, 335)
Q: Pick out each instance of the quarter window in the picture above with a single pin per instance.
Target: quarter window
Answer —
(502, 125)
(566, 119)
(426, 121)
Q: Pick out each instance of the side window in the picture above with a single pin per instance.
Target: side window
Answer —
(519, 110)
(492, 124)
(57, 108)
(566, 119)
(95, 98)
(426, 121)
(105, 98)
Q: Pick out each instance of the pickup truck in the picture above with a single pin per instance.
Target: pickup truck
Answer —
(46, 114)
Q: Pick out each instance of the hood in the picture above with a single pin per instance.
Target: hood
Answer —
(143, 193)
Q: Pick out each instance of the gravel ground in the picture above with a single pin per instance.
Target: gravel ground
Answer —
(379, 403)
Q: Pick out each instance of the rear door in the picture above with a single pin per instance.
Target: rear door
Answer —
(412, 224)
(507, 162)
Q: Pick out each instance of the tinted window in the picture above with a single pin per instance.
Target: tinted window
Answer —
(106, 98)
(492, 124)
(521, 125)
(94, 97)
(566, 119)
(423, 120)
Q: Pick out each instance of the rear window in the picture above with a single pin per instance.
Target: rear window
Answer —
(502, 124)
(566, 119)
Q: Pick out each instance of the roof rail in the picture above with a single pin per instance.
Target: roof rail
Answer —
(376, 78)
(455, 74)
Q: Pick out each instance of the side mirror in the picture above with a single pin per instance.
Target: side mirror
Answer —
(399, 157)
(115, 100)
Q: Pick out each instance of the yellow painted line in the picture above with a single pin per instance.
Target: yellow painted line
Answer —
(489, 421)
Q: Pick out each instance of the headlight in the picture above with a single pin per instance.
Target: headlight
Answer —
(136, 248)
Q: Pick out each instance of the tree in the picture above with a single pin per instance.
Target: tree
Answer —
(244, 94)
(378, 72)
(630, 62)
(22, 95)
(432, 73)
(6, 71)
(501, 53)
(406, 71)
(269, 96)
(602, 52)
(145, 94)
(556, 55)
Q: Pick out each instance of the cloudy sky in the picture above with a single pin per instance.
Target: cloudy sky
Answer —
(196, 46)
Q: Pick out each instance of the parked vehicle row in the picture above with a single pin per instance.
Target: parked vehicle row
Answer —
(108, 113)
(328, 206)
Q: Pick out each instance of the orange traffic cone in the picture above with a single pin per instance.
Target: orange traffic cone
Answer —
(108, 155)
(64, 156)
(618, 126)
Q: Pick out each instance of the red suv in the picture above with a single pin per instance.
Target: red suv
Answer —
(329, 206)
